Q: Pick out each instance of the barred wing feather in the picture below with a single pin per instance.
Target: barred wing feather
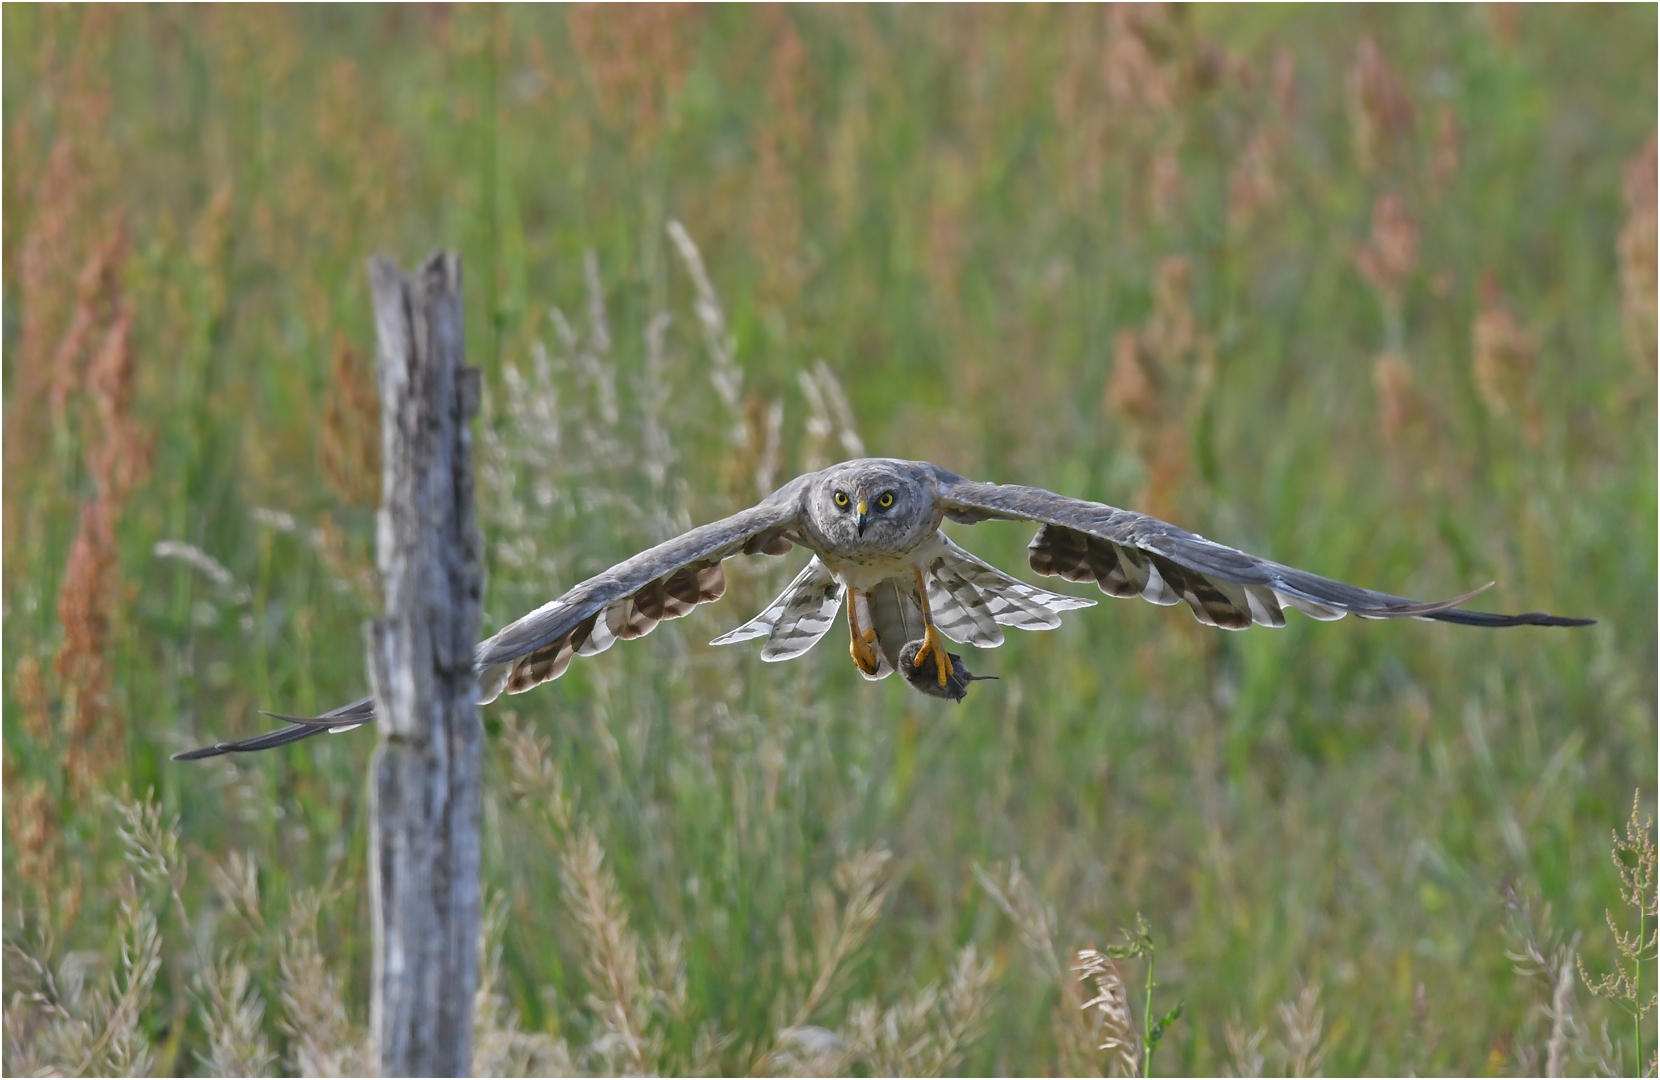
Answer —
(795, 621)
(625, 602)
(972, 600)
(1131, 554)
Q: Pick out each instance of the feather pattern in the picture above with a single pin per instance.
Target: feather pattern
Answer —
(960, 610)
(1131, 554)
(971, 589)
(795, 621)
(624, 602)
(1124, 553)
(893, 612)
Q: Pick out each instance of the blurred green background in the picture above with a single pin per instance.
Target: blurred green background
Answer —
(1370, 291)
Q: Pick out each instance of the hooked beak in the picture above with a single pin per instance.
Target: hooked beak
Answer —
(862, 512)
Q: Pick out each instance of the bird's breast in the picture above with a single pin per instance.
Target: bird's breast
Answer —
(864, 570)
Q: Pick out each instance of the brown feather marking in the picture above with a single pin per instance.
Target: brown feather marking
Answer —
(545, 664)
(1209, 604)
(1072, 556)
(680, 593)
(639, 615)
(1040, 553)
(1059, 550)
(1267, 603)
(648, 603)
(583, 631)
(768, 543)
(563, 659)
(526, 674)
(1103, 562)
(1132, 574)
(1108, 562)
(534, 668)
(711, 583)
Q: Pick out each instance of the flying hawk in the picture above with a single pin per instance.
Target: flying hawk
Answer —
(873, 526)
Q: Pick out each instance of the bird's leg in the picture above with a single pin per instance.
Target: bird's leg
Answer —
(931, 640)
(860, 645)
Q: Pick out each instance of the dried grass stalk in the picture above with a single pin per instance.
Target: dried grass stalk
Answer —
(322, 1040)
(1245, 1056)
(1075, 1032)
(1114, 1021)
(233, 1010)
(864, 890)
(80, 1025)
(1302, 1020)
(617, 995)
(499, 1047)
(349, 445)
(1639, 260)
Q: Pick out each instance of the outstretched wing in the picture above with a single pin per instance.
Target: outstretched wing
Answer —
(1131, 554)
(344, 718)
(625, 602)
(630, 599)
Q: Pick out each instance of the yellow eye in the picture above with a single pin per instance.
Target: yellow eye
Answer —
(886, 500)
(841, 498)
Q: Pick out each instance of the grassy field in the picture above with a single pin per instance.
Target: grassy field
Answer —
(1368, 291)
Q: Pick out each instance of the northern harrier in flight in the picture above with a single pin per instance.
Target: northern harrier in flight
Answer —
(873, 526)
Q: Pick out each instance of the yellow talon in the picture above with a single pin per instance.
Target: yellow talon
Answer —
(860, 641)
(931, 643)
(863, 654)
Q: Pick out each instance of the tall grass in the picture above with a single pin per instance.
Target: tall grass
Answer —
(1368, 293)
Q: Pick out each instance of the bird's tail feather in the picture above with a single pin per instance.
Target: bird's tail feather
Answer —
(892, 611)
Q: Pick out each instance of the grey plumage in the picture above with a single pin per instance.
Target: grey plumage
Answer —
(874, 528)
(895, 616)
(1007, 601)
(795, 621)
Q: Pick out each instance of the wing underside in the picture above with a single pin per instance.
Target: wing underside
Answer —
(627, 601)
(1128, 554)
(1124, 553)
(795, 621)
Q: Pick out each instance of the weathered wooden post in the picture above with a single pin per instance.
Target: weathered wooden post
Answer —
(424, 781)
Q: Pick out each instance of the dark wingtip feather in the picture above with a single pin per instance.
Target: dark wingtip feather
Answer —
(1433, 609)
(1449, 611)
(361, 711)
(1526, 618)
(327, 720)
(267, 741)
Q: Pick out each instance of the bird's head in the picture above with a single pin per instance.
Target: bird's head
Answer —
(873, 505)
